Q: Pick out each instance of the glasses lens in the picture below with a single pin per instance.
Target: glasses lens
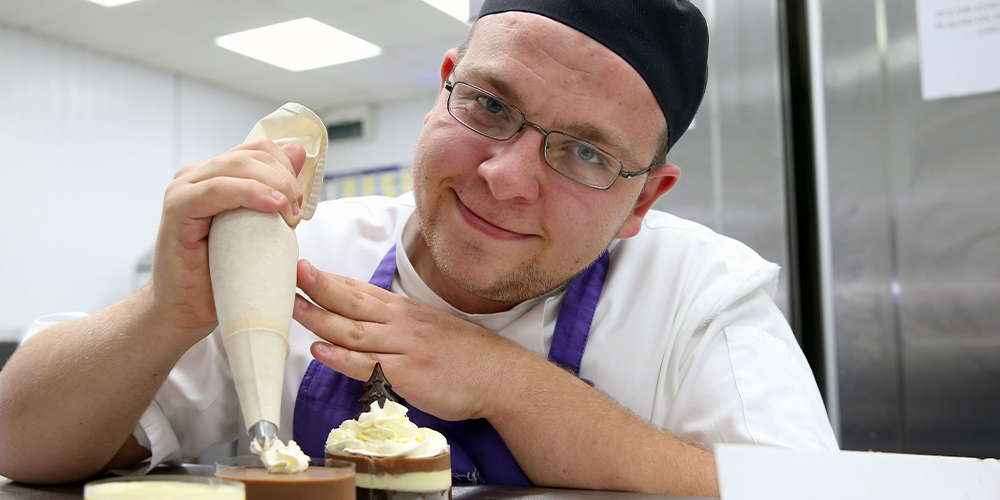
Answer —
(582, 162)
(484, 112)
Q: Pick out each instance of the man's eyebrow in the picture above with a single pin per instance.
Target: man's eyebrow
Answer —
(482, 76)
(615, 145)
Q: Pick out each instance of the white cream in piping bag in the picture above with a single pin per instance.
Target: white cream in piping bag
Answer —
(385, 432)
(279, 458)
(252, 261)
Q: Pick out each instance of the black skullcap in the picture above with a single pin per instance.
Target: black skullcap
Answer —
(666, 41)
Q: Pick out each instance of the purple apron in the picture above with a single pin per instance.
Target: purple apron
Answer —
(478, 454)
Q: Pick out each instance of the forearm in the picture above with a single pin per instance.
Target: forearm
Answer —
(71, 396)
(590, 442)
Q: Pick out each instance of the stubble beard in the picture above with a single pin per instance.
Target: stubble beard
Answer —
(526, 280)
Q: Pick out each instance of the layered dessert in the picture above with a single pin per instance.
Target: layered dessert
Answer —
(394, 459)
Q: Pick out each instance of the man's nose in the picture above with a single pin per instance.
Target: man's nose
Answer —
(514, 171)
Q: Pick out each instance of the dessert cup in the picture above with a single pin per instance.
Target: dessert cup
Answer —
(400, 478)
(165, 487)
(323, 480)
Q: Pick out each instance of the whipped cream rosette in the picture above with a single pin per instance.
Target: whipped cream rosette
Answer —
(280, 458)
(386, 432)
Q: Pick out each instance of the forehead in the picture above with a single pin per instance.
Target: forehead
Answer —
(556, 73)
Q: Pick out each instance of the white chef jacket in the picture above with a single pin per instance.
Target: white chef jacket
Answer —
(685, 335)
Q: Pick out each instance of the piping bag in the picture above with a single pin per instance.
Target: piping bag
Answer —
(252, 259)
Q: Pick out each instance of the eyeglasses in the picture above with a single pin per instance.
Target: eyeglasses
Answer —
(493, 117)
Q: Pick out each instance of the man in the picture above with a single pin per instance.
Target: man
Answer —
(528, 236)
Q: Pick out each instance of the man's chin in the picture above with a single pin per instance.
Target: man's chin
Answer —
(511, 288)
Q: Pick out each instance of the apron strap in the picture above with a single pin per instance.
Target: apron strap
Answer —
(382, 277)
(577, 314)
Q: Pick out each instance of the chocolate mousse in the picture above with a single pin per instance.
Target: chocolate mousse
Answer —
(314, 483)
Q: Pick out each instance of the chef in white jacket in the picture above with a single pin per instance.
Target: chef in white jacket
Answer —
(525, 289)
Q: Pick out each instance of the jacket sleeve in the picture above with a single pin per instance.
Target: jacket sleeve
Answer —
(745, 380)
(196, 406)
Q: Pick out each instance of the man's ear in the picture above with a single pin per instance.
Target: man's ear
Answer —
(661, 180)
(449, 63)
(450, 60)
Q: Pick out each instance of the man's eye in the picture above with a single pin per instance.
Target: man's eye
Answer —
(586, 154)
(490, 104)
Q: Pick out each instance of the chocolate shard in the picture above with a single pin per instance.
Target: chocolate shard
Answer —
(377, 388)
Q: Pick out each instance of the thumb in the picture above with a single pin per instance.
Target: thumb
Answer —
(296, 156)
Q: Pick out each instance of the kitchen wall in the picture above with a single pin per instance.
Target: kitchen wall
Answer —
(396, 129)
(89, 143)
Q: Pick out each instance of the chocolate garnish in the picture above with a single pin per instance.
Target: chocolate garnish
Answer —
(377, 388)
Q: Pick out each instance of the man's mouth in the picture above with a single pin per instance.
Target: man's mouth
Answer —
(484, 226)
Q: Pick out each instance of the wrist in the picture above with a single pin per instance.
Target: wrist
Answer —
(153, 321)
(525, 381)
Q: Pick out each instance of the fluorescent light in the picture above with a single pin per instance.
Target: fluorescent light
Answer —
(459, 9)
(299, 45)
(112, 3)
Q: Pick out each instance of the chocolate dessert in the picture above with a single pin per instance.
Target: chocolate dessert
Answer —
(314, 483)
(398, 461)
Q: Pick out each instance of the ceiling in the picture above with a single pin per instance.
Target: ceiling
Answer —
(178, 36)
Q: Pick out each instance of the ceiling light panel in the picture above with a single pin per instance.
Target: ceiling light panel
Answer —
(459, 9)
(112, 3)
(299, 45)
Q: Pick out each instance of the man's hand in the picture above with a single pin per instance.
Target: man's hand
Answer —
(257, 175)
(443, 365)
(552, 422)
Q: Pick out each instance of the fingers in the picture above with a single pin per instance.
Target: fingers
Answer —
(357, 365)
(344, 296)
(346, 333)
(296, 155)
(212, 196)
(269, 183)
(346, 312)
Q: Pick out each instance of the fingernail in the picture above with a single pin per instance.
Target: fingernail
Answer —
(277, 195)
(312, 271)
(323, 348)
(299, 301)
(295, 209)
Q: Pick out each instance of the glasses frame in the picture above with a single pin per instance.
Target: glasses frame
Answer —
(450, 87)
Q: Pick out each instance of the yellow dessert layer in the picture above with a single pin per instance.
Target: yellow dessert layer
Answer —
(410, 481)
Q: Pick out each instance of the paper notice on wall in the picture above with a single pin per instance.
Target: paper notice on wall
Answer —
(959, 47)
